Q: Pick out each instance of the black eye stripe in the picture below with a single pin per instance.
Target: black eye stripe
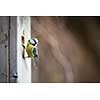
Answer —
(35, 41)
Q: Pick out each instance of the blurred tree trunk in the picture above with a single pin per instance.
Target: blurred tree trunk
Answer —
(69, 49)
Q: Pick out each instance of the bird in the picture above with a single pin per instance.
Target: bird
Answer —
(31, 48)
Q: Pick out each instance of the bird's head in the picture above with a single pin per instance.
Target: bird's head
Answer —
(34, 41)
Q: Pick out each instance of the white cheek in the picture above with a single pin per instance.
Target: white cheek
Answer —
(32, 41)
(35, 44)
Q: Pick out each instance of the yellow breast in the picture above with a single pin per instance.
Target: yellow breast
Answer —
(29, 50)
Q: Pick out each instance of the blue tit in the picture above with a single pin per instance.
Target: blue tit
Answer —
(31, 48)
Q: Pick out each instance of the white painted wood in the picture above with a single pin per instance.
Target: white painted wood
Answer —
(23, 66)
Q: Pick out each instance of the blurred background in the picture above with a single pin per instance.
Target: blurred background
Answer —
(69, 48)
